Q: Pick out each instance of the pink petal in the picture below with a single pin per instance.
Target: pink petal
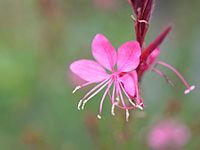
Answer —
(153, 56)
(128, 56)
(89, 70)
(128, 82)
(104, 52)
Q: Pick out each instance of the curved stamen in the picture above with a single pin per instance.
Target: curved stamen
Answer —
(140, 103)
(92, 90)
(113, 100)
(140, 106)
(121, 96)
(117, 100)
(104, 95)
(123, 103)
(95, 93)
(129, 99)
(81, 86)
(157, 71)
(113, 108)
(189, 88)
(113, 92)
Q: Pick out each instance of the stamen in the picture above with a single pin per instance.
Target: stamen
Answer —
(79, 104)
(81, 86)
(113, 108)
(138, 99)
(113, 99)
(104, 95)
(113, 93)
(117, 98)
(95, 93)
(157, 71)
(121, 96)
(92, 90)
(117, 90)
(127, 115)
(76, 88)
(129, 99)
(189, 88)
(140, 107)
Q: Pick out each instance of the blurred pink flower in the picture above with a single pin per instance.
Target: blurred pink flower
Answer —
(168, 134)
(123, 79)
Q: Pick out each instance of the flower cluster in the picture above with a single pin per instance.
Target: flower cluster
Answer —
(119, 73)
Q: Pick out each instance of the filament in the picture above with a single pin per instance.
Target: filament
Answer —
(103, 97)
(129, 99)
(81, 86)
(157, 71)
(95, 93)
(138, 99)
(121, 96)
(92, 90)
(189, 88)
(127, 115)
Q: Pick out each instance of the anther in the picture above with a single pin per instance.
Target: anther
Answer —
(127, 115)
(189, 89)
(130, 100)
(77, 88)
(79, 104)
(83, 105)
(140, 107)
(98, 116)
(113, 108)
(117, 98)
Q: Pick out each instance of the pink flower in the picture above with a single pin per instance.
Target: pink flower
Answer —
(123, 81)
(168, 134)
(119, 73)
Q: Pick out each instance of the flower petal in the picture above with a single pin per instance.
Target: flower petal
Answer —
(153, 56)
(128, 81)
(104, 52)
(128, 56)
(89, 70)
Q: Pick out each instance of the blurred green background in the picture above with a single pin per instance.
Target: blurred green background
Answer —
(38, 41)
